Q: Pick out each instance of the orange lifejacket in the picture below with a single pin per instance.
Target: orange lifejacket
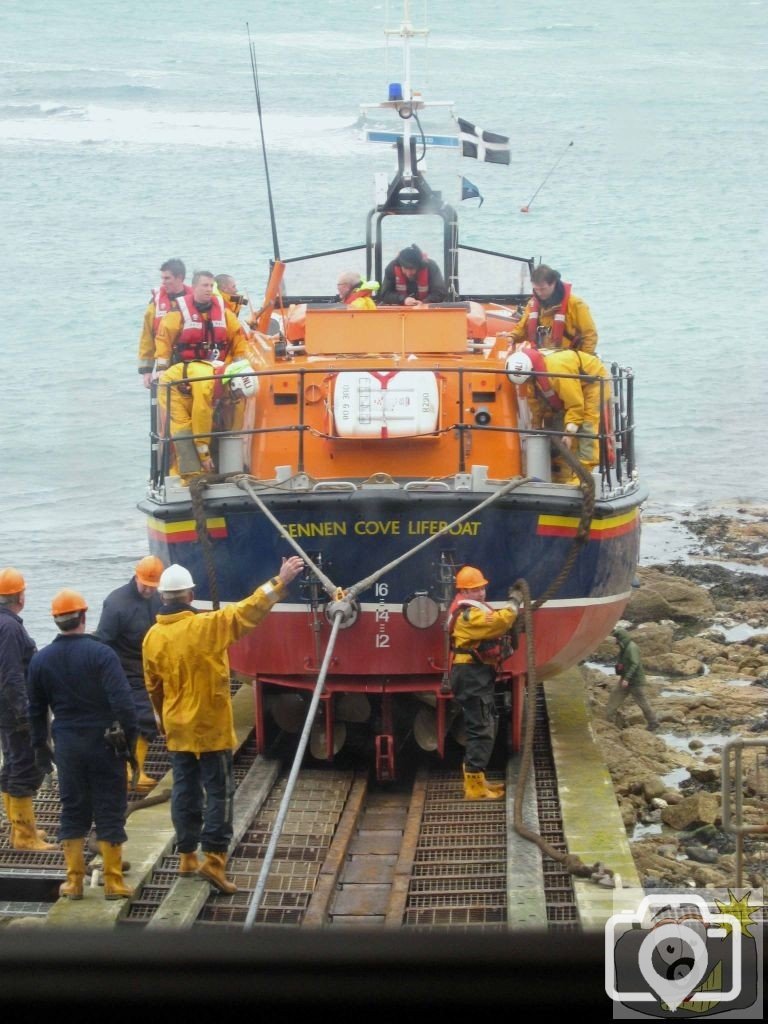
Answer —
(543, 385)
(201, 338)
(558, 322)
(484, 652)
(421, 279)
(358, 293)
(164, 303)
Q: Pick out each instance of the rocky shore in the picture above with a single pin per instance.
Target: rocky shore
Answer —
(702, 628)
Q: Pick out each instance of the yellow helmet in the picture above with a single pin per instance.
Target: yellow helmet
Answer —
(470, 578)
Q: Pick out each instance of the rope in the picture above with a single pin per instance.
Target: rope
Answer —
(570, 861)
(245, 483)
(196, 488)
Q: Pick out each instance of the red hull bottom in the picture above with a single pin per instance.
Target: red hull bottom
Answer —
(563, 636)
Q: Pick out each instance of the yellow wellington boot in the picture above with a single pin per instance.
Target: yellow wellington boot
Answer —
(7, 805)
(188, 864)
(212, 869)
(495, 787)
(143, 781)
(74, 854)
(25, 835)
(112, 860)
(476, 788)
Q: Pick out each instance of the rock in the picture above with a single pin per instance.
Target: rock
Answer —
(628, 813)
(675, 665)
(653, 639)
(695, 744)
(671, 796)
(665, 596)
(705, 774)
(701, 854)
(699, 809)
(651, 817)
(704, 835)
(650, 787)
(658, 802)
(667, 851)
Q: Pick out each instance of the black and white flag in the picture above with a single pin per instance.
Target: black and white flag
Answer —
(480, 145)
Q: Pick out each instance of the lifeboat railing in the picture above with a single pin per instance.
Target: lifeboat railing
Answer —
(616, 465)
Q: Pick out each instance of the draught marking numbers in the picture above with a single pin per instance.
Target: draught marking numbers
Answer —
(382, 616)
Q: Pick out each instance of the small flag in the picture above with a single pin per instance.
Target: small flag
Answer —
(470, 191)
(480, 145)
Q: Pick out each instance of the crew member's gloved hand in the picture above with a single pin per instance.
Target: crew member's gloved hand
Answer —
(516, 596)
(44, 759)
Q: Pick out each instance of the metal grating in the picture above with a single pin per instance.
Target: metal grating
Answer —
(458, 884)
(560, 899)
(459, 870)
(310, 823)
(437, 917)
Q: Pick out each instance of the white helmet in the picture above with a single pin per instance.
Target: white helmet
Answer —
(175, 578)
(519, 367)
(241, 379)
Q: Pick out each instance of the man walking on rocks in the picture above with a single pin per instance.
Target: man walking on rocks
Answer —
(631, 683)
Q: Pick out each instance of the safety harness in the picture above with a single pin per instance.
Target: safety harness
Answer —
(484, 652)
(204, 339)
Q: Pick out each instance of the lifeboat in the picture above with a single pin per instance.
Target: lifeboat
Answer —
(389, 447)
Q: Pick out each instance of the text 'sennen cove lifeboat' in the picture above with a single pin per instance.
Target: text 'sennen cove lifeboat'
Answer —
(390, 447)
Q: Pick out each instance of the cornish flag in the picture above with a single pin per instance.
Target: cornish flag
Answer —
(480, 145)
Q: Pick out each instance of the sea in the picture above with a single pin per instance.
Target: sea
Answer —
(130, 133)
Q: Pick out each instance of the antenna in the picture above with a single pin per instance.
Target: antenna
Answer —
(275, 246)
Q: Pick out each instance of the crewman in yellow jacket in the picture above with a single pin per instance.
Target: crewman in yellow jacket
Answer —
(569, 403)
(186, 672)
(226, 286)
(193, 339)
(354, 292)
(475, 628)
(172, 274)
(554, 317)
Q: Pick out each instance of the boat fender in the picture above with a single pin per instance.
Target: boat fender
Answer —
(296, 323)
(477, 325)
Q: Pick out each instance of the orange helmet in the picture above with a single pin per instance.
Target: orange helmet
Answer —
(11, 581)
(149, 570)
(68, 602)
(470, 578)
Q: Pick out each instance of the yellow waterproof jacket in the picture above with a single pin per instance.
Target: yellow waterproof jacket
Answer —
(170, 329)
(186, 669)
(147, 340)
(474, 624)
(581, 399)
(580, 331)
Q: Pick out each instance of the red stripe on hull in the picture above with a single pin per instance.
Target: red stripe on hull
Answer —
(185, 536)
(570, 531)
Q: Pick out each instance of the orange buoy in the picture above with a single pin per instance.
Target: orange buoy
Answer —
(523, 209)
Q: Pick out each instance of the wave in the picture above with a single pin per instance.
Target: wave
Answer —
(321, 133)
(31, 111)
